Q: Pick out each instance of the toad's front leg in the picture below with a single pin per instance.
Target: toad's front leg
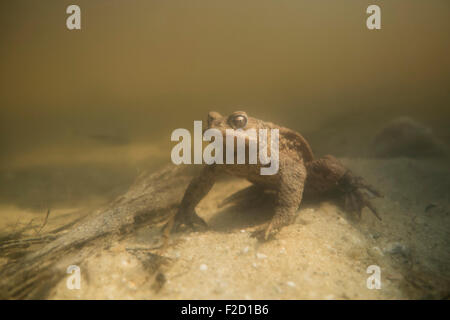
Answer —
(198, 188)
(292, 176)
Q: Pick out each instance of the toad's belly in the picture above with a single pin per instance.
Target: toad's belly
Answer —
(252, 172)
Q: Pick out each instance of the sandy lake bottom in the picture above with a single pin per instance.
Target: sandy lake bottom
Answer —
(324, 255)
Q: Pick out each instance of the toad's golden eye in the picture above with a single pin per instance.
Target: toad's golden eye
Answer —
(238, 121)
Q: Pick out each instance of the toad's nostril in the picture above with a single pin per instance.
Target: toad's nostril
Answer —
(213, 116)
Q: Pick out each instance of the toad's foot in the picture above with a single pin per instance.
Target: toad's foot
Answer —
(179, 223)
(264, 232)
(281, 219)
(357, 194)
(182, 222)
(189, 221)
(268, 230)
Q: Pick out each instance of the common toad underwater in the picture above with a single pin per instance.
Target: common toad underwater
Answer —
(299, 173)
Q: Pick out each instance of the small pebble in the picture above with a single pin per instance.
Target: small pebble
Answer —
(131, 285)
(203, 267)
(261, 256)
(375, 251)
(291, 284)
(396, 248)
(278, 289)
(375, 235)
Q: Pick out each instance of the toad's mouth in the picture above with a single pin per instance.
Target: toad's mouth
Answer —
(233, 144)
(249, 135)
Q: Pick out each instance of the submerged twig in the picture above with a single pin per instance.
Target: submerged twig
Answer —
(23, 243)
(149, 201)
(45, 220)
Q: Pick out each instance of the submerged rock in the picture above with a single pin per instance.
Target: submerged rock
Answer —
(405, 137)
(397, 248)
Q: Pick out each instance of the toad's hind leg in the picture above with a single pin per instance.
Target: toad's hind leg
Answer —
(292, 176)
(329, 175)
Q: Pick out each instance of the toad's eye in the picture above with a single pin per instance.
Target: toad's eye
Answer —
(238, 121)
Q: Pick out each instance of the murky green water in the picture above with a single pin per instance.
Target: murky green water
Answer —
(82, 112)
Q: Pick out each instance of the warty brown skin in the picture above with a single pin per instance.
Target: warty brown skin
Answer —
(298, 172)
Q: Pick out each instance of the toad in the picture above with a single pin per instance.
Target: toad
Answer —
(299, 173)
